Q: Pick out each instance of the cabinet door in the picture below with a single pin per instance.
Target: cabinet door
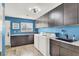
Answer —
(70, 13)
(78, 12)
(57, 15)
(51, 21)
(31, 39)
(54, 49)
(65, 52)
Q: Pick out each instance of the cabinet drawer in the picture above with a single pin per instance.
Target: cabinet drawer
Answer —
(65, 52)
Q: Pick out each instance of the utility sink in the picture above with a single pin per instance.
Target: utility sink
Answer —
(67, 40)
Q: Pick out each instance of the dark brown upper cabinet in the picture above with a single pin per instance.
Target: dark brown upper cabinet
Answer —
(59, 15)
(64, 14)
(78, 13)
(56, 16)
(51, 21)
(70, 13)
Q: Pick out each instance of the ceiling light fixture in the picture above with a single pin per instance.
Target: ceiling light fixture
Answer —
(35, 10)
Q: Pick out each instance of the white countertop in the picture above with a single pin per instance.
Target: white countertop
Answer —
(76, 43)
(22, 34)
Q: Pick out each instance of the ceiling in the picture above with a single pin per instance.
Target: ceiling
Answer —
(22, 9)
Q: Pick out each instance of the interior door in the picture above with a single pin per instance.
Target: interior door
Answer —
(0, 34)
(7, 34)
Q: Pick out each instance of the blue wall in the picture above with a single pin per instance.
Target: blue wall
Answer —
(19, 20)
(70, 30)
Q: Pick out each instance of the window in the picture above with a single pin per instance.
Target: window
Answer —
(26, 27)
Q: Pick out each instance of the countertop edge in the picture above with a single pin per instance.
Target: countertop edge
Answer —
(70, 43)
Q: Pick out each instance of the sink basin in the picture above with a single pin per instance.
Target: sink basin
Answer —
(67, 40)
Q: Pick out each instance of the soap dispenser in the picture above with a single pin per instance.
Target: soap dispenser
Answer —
(66, 35)
(73, 37)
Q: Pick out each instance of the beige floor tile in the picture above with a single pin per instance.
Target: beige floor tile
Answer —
(25, 50)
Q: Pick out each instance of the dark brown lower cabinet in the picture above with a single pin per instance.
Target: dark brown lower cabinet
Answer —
(21, 40)
(63, 49)
(54, 49)
(68, 52)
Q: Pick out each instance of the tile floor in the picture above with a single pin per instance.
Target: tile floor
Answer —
(25, 50)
